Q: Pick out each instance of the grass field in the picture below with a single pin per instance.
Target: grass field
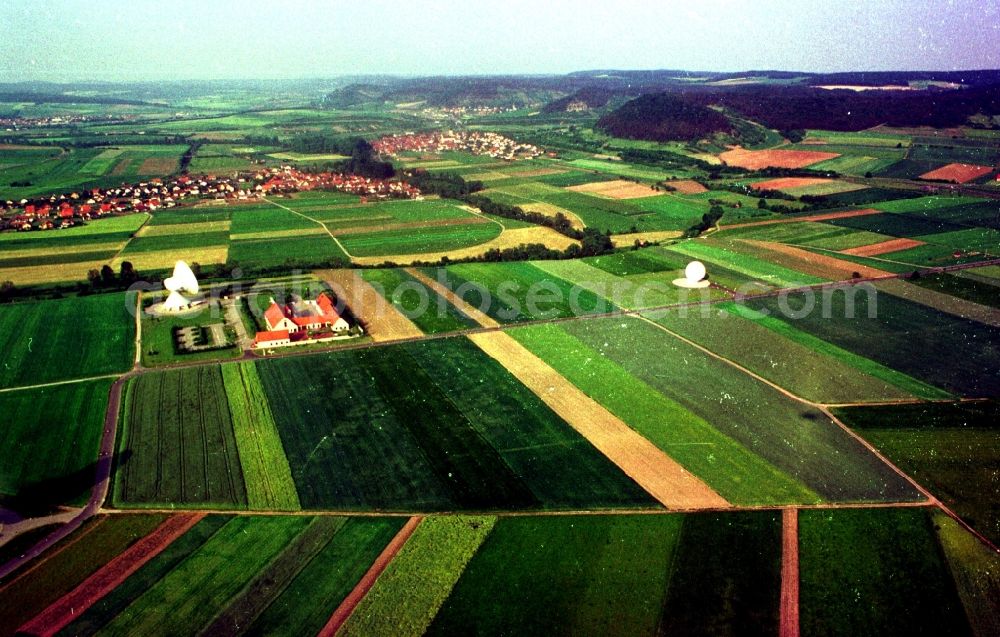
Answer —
(875, 572)
(891, 339)
(976, 570)
(51, 452)
(266, 472)
(518, 291)
(292, 252)
(792, 365)
(421, 429)
(613, 574)
(48, 341)
(951, 449)
(407, 294)
(177, 444)
(419, 240)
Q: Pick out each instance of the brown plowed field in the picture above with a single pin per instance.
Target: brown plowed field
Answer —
(757, 159)
(883, 247)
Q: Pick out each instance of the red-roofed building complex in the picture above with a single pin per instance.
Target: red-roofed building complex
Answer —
(301, 321)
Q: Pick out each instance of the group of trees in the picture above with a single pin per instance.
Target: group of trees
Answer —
(105, 278)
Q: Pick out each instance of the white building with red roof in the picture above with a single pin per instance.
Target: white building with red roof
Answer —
(301, 321)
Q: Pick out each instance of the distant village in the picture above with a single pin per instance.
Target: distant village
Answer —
(475, 142)
(70, 209)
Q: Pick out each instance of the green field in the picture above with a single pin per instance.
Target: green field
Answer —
(291, 252)
(408, 295)
(898, 337)
(176, 444)
(808, 373)
(419, 427)
(417, 240)
(266, 472)
(875, 572)
(409, 593)
(50, 341)
(951, 449)
(51, 452)
(612, 574)
(513, 292)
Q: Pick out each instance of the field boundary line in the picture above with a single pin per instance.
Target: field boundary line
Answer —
(361, 589)
(456, 301)
(321, 224)
(59, 382)
(789, 619)
(70, 606)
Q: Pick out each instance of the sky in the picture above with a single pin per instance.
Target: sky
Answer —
(73, 40)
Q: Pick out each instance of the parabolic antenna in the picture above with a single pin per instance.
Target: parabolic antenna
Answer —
(694, 276)
(182, 282)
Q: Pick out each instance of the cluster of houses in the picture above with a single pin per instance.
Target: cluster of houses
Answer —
(69, 209)
(441, 112)
(11, 124)
(475, 142)
(289, 179)
(300, 321)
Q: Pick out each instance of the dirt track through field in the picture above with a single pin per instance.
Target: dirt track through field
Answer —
(382, 321)
(68, 607)
(882, 247)
(473, 313)
(637, 457)
(368, 580)
(940, 301)
(789, 618)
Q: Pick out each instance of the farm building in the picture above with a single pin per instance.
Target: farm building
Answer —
(304, 315)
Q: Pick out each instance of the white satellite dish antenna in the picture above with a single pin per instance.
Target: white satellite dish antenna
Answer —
(182, 282)
(694, 276)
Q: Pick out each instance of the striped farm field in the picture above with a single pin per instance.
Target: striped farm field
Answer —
(177, 444)
(958, 173)
(266, 472)
(796, 439)
(66, 565)
(645, 409)
(409, 593)
(754, 267)
(418, 427)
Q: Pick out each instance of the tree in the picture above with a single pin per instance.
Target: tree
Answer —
(94, 276)
(127, 274)
(107, 275)
(6, 290)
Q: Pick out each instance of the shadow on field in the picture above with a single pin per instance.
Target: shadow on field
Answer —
(45, 496)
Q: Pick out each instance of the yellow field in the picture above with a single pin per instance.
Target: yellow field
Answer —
(183, 228)
(56, 273)
(550, 210)
(629, 239)
(507, 239)
(380, 318)
(165, 259)
(276, 234)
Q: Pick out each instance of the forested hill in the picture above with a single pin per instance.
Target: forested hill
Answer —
(664, 117)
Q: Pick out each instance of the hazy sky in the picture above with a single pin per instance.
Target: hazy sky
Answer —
(145, 39)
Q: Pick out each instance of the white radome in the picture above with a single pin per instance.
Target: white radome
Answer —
(182, 281)
(695, 271)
